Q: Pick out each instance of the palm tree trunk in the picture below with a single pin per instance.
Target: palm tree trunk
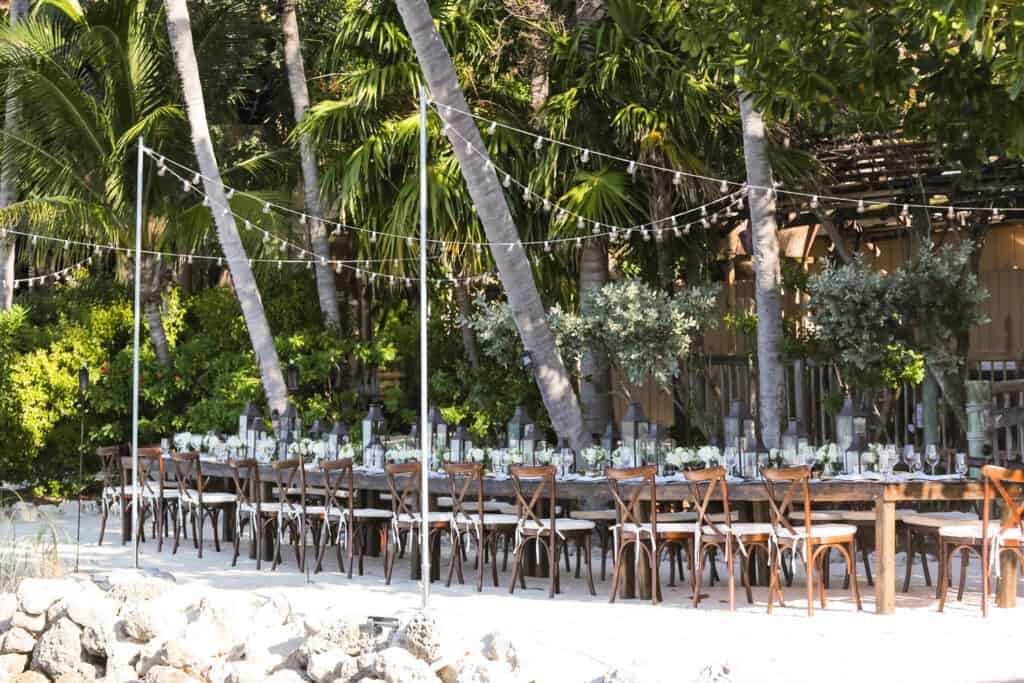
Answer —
(469, 342)
(8, 179)
(595, 370)
(325, 286)
(152, 303)
(486, 192)
(180, 30)
(767, 273)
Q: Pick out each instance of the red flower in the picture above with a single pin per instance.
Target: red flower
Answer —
(159, 375)
(177, 378)
(106, 367)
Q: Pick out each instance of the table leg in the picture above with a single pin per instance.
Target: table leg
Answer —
(1006, 590)
(885, 551)
(759, 575)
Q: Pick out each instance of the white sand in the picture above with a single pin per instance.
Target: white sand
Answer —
(580, 637)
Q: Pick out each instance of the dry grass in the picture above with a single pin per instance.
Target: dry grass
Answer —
(21, 556)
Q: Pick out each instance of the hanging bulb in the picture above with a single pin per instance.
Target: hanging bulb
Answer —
(231, 192)
(686, 229)
(560, 216)
(704, 210)
(579, 222)
(905, 211)
(337, 267)
(206, 200)
(266, 237)
(489, 165)
(507, 182)
(814, 202)
(631, 169)
(410, 240)
(246, 224)
(739, 203)
(196, 178)
(226, 211)
(67, 243)
(189, 259)
(596, 230)
(547, 246)
(161, 170)
(186, 186)
(220, 261)
(373, 236)
(538, 143)
(860, 206)
(546, 204)
(526, 194)
(724, 187)
(646, 234)
(950, 214)
(302, 219)
(266, 207)
(714, 218)
(35, 238)
(492, 128)
(585, 157)
(579, 241)
(677, 179)
(704, 223)
(279, 264)
(309, 264)
(479, 248)
(676, 231)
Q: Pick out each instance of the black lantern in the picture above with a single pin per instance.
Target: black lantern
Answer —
(438, 429)
(245, 418)
(373, 456)
(276, 422)
(337, 437)
(254, 431)
(461, 443)
(610, 438)
(317, 430)
(521, 433)
(373, 426)
(83, 380)
(291, 377)
(850, 423)
(740, 429)
(414, 434)
(635, 432)
(291, 423)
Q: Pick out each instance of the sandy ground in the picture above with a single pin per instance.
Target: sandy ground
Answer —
(580, 637)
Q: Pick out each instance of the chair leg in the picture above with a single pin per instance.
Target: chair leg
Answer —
(867, 564)
(852, 561)
(964, 557)
(553, 547)
(517, 558)
(671, 568)
(745, 575)
(579, 552)
(732, 573)
(698, 575)
(943, 573)
(821, 578)
(616, 568)
(588, 541)
(922, 551)
(909, 540)
(809, 569)
(602, 532)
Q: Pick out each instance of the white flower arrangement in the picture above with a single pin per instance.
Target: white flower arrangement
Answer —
(680, 457)
(476, 455)
(545, 457)
(397, 455)
(182, 441)
(875, 451)
(622, 457)
(709, 455)
(594, 456)
(514, 456)
(212, 442)
(265, 449)
(347, 451)
(318, 449)
(234, 442)
(827, 454)
(195, 441)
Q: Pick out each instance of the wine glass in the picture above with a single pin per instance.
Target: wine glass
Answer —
(931, 454)
(915, 462)
(961, 464)
(908, 456)
(731, 459)
(890, 458)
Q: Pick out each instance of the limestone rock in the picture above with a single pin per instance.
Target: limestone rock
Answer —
(8, 606)
(30, 677)
(476, 669)
(59, 649)
(12, 664)
(275, 648)
(619, 676)
(144, 621)
(422, 636)
(715, 673)
(55, 611)
(283, 676)
(85, 675)
(326, 667)
(397, 665)
(119, 674)
(345, 634)
(167, 674)
(18, 641)
(498, 647)
(36, 595)
(31, 623)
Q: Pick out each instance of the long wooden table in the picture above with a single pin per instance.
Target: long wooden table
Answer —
(882, 495)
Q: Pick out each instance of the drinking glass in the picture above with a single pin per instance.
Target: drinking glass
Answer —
(908, 457)
(731, 460)
(931, 454)
(961, 464)
(915, 462)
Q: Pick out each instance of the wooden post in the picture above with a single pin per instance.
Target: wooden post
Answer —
(1006, 591)
(885, 556)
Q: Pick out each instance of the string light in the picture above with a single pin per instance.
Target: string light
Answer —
(860, 206)
(492, 128)
(585, 157)
(814, 202)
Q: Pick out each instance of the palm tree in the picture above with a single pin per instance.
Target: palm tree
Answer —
(310, 175)
(767, 275)
(8, 176)
(486, 192)
(180, 30)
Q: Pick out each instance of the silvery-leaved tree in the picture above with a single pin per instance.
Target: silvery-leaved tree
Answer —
(486, 191)
(180, 30)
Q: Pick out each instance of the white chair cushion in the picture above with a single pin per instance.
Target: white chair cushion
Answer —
(868, 515)
(168, 493)
(598, 515)
(720, 516)
(372, 513)
(341, 493)
(797, 516)
(432, 517)
(739, 529)
(688, 516)
(321, 510)
(218, 498)
(666, 528)
(253, 507)
(496, 519)
(512, 509)
(937, 520)
(469, 504)
(561, 524)
(973, 530)
(821, 531)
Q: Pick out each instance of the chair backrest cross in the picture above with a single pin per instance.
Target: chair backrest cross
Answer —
(703, 485)
(188, 471)
(404, 483)
(795, 479)
(339, 492)
(290, 475)
(246, 475)
(996, 479)
(461, 478)
(630, 510)
(151, 472)
(110, 472)
(544, 480)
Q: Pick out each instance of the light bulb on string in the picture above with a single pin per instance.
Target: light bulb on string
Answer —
(337, 267)
(225, 211)
(647, 235)
(704, 223)
(186, 186)
(546, 204)
(585, 157)
(579, 222)
(220, 261)
(189, 259)
(161, 170)
(526, 194)
(538, 143)
(67, 244)
(302, 219)
(196, 178)
(489, 165)
(373, 236)
(507, 182)
(266, 207)
(631, 169)
(246, 224)
(596, 230)
(950, 214)
(547, 246)
(279, 265)
(230, 193)
(814, 202)
(35, 239)
(860, 206)
(491, 129)
(206, 200)
(676, 231)
(724, 187)
(410, 240)
(677, 179)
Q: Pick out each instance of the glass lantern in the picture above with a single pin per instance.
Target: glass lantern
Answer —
(373, 427)
(754, 457)
(610, 439)
(566, 458)
(248, 414)
(851, 422)
(739, 426)
(373, 456)
(460, 444)
(635, 432)
(317, 430)
(254, 431)
(852, 461)
(336, 438)
(521, 434)
(438, 429)
(414, 434)
(291, 423)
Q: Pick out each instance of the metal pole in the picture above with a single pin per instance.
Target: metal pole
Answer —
(424, 427)
(135, 351)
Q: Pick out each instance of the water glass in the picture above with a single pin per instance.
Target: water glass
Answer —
(961, 464)
(931, 454)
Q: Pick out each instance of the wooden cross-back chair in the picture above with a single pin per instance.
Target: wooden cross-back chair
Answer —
(987, 537)
(111, 477)
(631, 530)
(549, 531)
(337, 513)
(195, 501)
(814, 542)
(154, 495)
(714, 532)
(249, 506)
(404, 484)
(473, 517)
(290, 510)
